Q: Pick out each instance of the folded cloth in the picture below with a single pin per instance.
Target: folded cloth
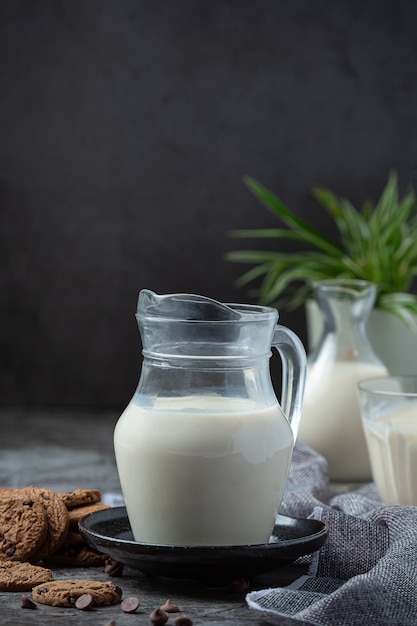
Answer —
(366, 572)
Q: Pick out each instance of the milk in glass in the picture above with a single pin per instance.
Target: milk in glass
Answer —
(392, 443)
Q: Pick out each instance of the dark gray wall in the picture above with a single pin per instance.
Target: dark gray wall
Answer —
(125, 130)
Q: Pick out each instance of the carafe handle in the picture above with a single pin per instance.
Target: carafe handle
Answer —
(294, 364)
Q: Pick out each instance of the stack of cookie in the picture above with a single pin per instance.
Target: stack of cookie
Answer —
(73, 551)
(40, 526)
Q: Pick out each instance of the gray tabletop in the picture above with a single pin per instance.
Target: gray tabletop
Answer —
(64, 449)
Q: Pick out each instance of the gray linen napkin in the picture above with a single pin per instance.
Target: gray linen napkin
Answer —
(366, 573)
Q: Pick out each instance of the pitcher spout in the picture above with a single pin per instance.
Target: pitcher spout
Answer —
(184, 306)
(183, 324)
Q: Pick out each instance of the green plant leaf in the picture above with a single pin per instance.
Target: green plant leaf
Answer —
(298, 225)
(377, 243)
(403, 306)
(387, 202)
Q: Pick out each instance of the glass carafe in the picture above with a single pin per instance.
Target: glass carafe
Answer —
(331, 422)
(203, 448)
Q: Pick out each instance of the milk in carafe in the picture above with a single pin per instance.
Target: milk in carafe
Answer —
(331, 422)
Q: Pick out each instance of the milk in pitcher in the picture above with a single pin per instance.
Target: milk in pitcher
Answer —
(202, 470)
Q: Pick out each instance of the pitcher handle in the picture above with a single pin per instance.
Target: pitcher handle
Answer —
(294, 363)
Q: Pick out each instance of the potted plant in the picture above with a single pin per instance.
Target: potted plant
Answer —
(377, 242)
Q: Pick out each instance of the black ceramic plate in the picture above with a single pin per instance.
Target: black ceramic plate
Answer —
(109, 531)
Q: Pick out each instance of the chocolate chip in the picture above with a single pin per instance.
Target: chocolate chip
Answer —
(10, 551)
(28, 502)
(239, 585)
(27, 603)
(84, 602)
(113, 568)
(117, 590)
(42, 589)
(158, 617)
(169, 607)
(130, 604)
(183, 620)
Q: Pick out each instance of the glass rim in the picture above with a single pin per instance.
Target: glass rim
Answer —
(248, 312)
(343, 281)
(374, 386)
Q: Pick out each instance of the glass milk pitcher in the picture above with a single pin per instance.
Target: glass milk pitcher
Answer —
(203, 448)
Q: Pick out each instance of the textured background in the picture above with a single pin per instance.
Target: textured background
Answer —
(125, 130)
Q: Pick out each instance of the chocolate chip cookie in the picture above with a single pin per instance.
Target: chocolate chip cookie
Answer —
(80, 497)
(65, 592)
(78, 512)
(58, 521)
(23, 525)
(15, 576)
(77, 556)
(73, 538)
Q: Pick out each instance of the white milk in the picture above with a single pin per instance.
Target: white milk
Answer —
(195, 471)
(331, 422)
(392, 442)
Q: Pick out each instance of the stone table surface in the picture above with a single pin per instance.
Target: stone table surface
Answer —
(64, 449)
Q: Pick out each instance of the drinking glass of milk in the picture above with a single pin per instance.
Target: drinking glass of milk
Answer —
(203, 448)
(389, 413)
